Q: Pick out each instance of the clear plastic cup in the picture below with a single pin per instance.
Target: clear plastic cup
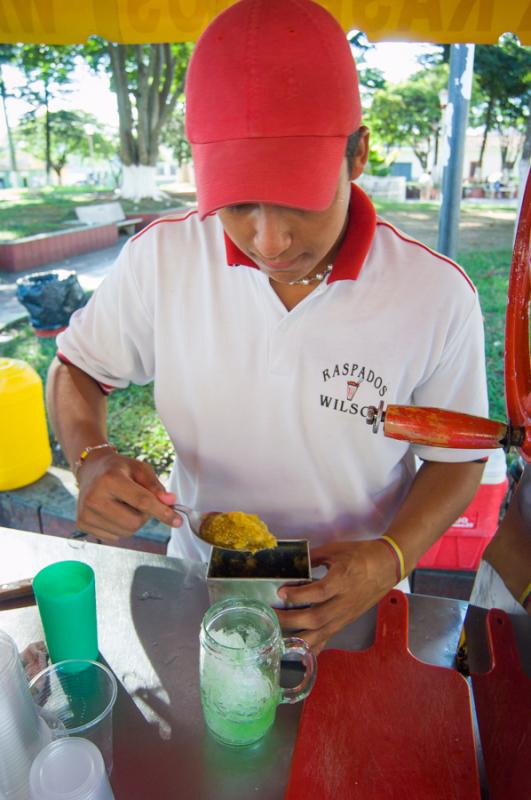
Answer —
(76, 698)
(22, 733)
(69, 769)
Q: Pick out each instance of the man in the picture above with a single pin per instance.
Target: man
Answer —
(270, 321)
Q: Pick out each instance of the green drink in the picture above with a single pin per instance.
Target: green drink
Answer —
(241, 648)
(239, 726)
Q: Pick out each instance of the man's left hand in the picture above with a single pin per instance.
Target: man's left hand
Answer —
(359, 575)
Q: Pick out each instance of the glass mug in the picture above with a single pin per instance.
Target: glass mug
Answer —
(241, 646)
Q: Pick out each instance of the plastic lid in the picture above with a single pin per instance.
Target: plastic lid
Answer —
(69, 769)
(15, 375)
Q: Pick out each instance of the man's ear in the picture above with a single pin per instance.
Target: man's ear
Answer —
(362, 154)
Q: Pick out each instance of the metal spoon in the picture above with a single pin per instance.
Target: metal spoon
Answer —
(196, 520)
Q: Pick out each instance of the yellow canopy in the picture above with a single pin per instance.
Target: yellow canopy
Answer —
(135, 21)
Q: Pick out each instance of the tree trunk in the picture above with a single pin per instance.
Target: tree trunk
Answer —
(423, 158)
(138, 181)
(155, 102)
(10, 142)
(436, 146)
(488, 126)
(504, 152)
(47, 134)
(128, 148)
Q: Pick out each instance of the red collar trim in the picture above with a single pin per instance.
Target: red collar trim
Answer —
(354, 248)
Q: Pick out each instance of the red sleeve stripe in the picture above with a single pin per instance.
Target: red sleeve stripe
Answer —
(428, 250)
(106, 388)
(163, 219)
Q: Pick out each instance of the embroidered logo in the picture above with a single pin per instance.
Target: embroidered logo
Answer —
(356, 380)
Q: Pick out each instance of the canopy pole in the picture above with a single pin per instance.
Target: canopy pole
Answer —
(454, 136)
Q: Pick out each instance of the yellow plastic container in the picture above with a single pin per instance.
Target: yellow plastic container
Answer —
(25, 453)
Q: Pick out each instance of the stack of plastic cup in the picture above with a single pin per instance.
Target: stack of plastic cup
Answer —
(22, 732)
(76, 698)
(69, 769)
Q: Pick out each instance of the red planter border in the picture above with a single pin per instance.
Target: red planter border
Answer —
(33, 251)
(46, 248)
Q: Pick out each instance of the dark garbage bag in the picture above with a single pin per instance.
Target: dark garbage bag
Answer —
(50, 299)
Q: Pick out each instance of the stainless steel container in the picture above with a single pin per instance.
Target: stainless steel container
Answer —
(258, 576)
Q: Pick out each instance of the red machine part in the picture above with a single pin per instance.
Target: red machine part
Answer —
(503, 698)
(440, 428)
(517, 353)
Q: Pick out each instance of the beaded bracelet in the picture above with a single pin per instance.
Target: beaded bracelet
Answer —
(398, 555)
(525, 596)
(86, 452)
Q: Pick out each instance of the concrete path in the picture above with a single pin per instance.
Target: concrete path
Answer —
(91, 268)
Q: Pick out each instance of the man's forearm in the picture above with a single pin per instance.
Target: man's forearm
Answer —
(509, 551)
(77, 409)
(438, 495)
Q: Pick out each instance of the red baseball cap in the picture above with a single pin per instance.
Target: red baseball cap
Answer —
(271, 98)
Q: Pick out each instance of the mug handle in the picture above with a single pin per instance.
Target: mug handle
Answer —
(292, 644)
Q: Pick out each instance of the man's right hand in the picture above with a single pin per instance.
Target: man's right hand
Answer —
(118, 495)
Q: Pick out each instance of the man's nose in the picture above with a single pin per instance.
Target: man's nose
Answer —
(272, 237)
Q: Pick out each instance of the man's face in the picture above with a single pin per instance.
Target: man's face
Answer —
(288, 243)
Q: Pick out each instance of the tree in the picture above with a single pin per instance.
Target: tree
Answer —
(173, 135)
(47, 68)
(148, 81)
(503, 91)
(370, 78)
(409, 113)
(70, 132)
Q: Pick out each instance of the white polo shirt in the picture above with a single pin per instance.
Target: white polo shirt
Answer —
(266, 407)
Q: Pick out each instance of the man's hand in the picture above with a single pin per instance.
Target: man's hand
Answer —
(117, 495)
(359, 575)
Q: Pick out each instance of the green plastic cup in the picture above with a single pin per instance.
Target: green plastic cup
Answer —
(66, 597)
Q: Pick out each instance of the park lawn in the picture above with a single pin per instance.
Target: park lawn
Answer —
(134, 426)
(28, 212)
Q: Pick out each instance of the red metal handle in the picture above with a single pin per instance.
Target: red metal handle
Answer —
(517, 351)
(438, 427)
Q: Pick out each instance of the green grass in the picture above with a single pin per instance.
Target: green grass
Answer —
(27, 212)
(490, 273)
(385, 206)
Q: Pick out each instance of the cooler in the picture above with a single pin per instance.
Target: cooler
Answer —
(461, 547)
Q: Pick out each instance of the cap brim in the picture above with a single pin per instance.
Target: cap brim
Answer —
(298, 172)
